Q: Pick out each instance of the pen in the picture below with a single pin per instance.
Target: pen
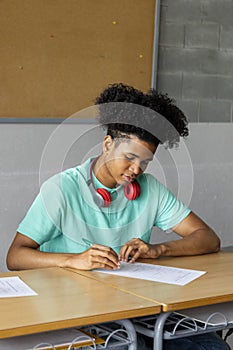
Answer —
(87, 242)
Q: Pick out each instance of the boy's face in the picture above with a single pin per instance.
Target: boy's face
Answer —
(125, 159)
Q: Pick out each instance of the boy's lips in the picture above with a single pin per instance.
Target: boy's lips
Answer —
(128, 178)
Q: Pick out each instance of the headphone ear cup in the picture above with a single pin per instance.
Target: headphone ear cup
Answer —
(105, 195)
(132, 190)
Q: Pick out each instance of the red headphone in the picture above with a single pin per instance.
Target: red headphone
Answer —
(103, 198)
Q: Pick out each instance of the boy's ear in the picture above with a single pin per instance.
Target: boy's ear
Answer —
(107, 143)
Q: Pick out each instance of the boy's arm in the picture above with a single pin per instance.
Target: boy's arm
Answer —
(24, 254)
(197, 238)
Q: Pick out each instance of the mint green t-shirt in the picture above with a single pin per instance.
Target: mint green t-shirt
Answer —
(65, 218)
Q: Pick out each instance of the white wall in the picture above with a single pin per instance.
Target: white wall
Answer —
(32, 152)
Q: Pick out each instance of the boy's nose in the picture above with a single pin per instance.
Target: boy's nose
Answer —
(135, 168)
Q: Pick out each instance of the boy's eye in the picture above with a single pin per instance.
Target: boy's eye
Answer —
(144, 165)
(145, 162)
(129, 157)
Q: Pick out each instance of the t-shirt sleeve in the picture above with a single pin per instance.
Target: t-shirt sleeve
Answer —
(42, 221)
(171, 211)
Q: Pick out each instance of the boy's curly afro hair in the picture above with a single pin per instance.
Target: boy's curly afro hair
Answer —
(152, 116)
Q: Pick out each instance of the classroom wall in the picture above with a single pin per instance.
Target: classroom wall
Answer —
(199, 173)
(196, 55)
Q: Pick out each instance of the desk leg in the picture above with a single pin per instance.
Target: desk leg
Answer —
(129, 327)
(158, 330)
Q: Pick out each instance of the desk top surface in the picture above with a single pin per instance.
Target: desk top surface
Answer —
(214, 287)
(66, 299)
(77, 298)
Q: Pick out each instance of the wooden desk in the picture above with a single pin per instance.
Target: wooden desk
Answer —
(66, 299)
(213, 287)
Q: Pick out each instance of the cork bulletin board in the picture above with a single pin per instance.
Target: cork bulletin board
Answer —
(57, 55)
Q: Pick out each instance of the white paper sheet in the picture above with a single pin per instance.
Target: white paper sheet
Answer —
(14, 287)
(156, 273)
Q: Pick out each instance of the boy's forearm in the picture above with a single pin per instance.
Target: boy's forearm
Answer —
(202, 241)
(27, 258)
